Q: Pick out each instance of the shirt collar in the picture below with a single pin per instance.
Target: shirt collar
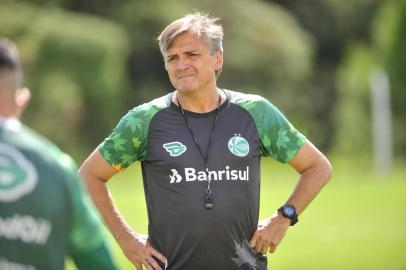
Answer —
(10, 123)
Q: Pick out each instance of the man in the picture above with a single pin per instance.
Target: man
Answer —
(45, 215)
(200, 149)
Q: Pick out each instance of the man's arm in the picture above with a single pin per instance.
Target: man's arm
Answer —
(315, 171)
(96, 172)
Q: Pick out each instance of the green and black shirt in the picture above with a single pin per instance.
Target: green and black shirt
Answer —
(174, 176)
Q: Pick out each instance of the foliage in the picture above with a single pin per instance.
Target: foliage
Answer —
(386, 51)
(74, 65)
(391, 39)
(332, 26)
(353, 106)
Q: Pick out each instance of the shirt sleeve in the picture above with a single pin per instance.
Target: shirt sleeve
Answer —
(279, 139)
(126, 143)
(87, 241)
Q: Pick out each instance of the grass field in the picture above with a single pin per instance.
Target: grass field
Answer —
(357, 222)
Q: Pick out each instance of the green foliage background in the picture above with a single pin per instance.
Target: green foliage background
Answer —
(75, 67)
(88, 62)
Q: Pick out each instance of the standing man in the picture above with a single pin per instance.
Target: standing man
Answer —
(45, 215)
(200, 148)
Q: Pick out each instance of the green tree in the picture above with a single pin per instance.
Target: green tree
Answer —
(391, 39)
(75, 67)
(386, 51)
(332, 25)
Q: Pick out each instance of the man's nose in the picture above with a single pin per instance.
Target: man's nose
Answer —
(182, 63)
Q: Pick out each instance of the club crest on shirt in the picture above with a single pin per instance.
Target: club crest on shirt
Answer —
(18, 176)
(175, 148)
(238, 146)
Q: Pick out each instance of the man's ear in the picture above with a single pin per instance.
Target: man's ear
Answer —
(219, 60)
(22, 98)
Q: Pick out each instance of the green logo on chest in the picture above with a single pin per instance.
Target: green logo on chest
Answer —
(239, 146)
(175, 148)
(18, 176)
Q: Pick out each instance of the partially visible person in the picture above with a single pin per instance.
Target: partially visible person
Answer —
(45, 214)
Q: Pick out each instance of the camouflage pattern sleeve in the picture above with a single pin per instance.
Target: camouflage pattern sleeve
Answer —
(279, 139)
(127, 142)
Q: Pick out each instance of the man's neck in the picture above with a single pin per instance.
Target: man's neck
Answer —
(7, 110)
(199, 102)
(7, 102)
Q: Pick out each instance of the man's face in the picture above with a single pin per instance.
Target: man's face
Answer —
(190, 64)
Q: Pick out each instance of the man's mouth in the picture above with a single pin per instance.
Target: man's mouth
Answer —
(185, 76)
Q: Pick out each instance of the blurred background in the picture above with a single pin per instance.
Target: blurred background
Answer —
(335, 68)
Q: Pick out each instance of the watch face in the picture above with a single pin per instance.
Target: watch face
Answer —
(289, 211)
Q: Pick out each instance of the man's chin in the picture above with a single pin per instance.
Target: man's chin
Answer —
(185, 89)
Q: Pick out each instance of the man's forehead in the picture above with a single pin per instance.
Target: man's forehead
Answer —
(183, 49)
(186, 42)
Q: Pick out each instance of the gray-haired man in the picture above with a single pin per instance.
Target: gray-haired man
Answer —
(200, 148)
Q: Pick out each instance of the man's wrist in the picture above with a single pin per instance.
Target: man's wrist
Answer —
(288, 211)
(282, 218)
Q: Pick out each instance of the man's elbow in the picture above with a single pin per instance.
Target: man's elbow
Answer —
(90, 177)
(326, 169)
(83, 173)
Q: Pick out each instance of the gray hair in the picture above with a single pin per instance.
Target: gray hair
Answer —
(197, 23)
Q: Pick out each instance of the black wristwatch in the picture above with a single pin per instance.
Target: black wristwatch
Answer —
(289, 211)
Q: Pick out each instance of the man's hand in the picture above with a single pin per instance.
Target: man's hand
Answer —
(270, 233)
(140, 252)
